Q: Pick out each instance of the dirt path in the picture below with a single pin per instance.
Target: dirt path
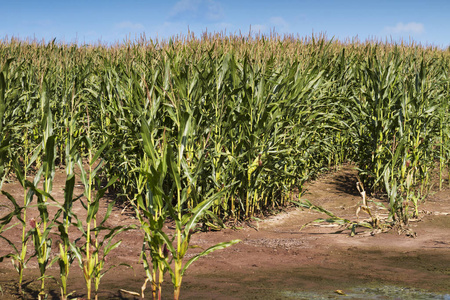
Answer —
(275, 260)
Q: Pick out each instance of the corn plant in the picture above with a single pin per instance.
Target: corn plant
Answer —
(40, 229)
(66, 256)
(18, 257)
(4, 140)
(92, 255)
(150, 206)
(239, 119)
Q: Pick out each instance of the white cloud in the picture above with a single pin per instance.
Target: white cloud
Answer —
(129, 25)
(169, 29)
(280, 24)
(210, 10)
(412, 28)
(184, 6)
(214, 10)
(123, 31)
(276, 24)
(222, 26)
(259, 28)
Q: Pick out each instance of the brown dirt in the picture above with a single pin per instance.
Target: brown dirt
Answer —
(275, 257)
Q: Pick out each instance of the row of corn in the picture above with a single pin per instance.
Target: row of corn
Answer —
(213, 128)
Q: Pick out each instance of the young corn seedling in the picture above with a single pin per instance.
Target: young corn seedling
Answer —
(185, 222)
(41, 239)
(92, 255)
(151, 209)
(66, 256)
(4, 139)
(21, 171)
(19, 259)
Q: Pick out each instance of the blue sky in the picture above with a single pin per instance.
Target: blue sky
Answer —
(426, 22)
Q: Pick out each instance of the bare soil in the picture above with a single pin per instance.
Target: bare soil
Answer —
(276, 259)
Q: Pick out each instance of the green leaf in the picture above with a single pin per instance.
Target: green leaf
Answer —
(100, 151)
(173, 167)
(77, 252)
(108, 212)
(19, 172)
(112, 247)
(200, 209)
(167, 241)
(68, 194)
(17, 212)
(207, 251)
(2, 100)
(12, 245)
(184, 137)
(147, 140)
(92, 210)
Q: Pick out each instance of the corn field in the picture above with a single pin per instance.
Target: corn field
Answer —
(217, 128)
